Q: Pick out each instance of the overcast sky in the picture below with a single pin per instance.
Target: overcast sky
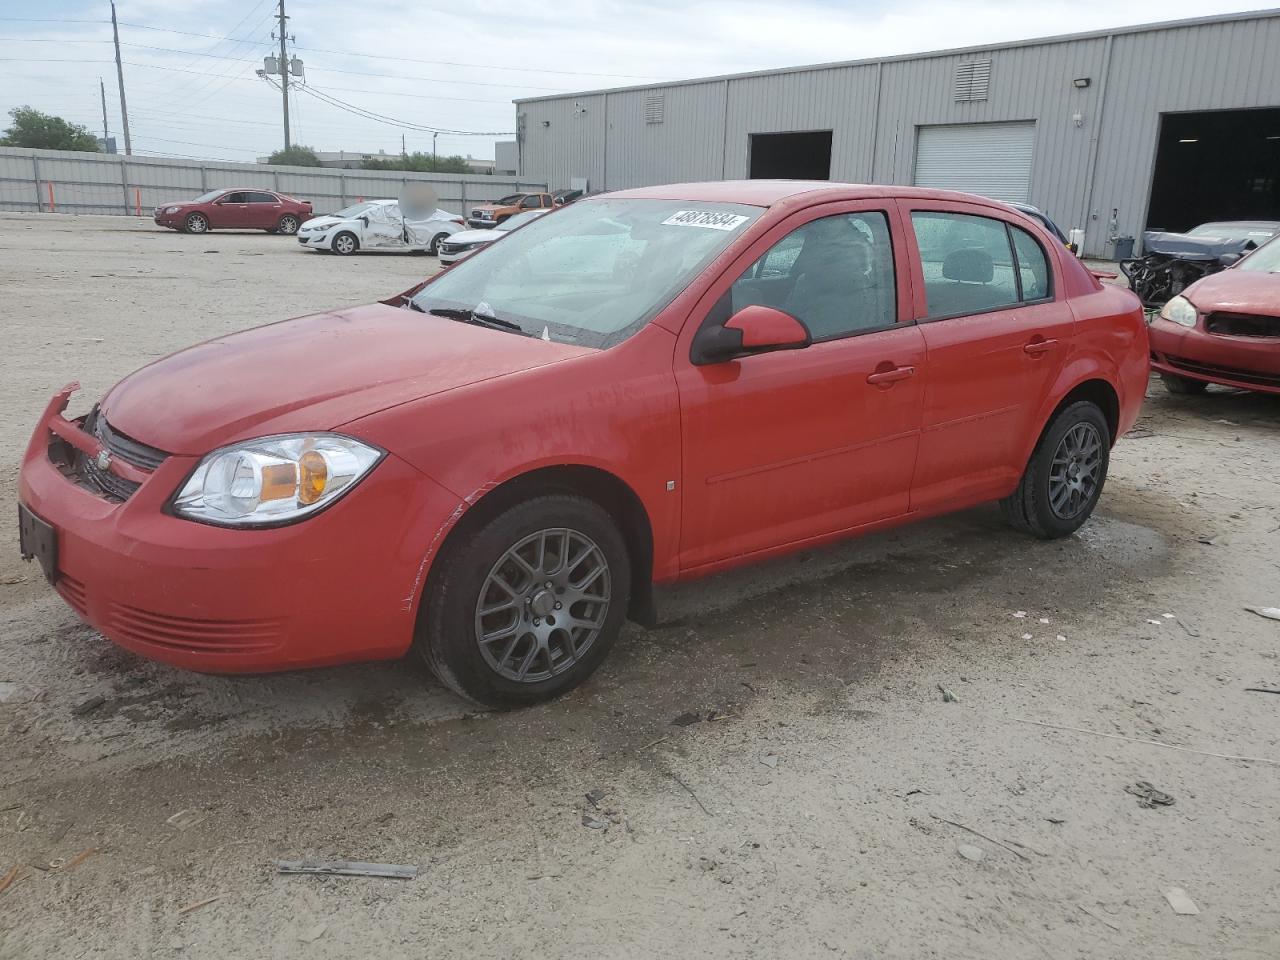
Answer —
(198, 95)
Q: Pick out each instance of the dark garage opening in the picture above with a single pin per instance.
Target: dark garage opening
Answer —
(791, 156)
(1216, 165)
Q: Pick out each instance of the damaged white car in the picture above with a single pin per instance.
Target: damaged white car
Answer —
(378, 225)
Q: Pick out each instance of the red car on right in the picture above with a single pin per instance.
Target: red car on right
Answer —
(1223, 329)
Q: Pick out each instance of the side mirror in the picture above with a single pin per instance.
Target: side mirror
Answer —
(1230, 259)
(753, 329)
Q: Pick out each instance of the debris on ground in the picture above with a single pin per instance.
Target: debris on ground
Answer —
(1260, 690)
(7, 880)
(1271, 613)
(1020, 614)
(970, 852)
(13, 581)
(1056, 821)
(770, 760)
(8, 691)
(185, 819)
(1181, 903)
(591, 823)
(313, 933)
(1103, 920)
(594, 797)
(200, 903)
(1156, 622)
(947, 695)
(347, 868)
(999, 843)
(1207, 541)
(686, 719)
(79, 859)
(1026, 636)
(1148, 796)
(88, 706)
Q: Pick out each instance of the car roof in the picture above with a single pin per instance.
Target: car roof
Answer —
(766, 193)
(1245, 224)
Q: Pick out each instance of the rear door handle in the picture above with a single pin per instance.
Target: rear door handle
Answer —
(891, 376)
(1037, 347)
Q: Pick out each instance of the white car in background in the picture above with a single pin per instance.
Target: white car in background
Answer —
(377, 225)
(463, 244)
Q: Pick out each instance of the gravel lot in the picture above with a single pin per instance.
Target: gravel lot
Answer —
(810, 818)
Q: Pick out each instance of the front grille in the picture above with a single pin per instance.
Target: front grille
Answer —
(119, 445)
(191, 635)
(1227, 373)
(1242, 325)
(479, 214)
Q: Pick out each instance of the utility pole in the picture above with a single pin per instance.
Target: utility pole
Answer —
(403, 152)
(284, 71)
(102, 88)
(124, 109)
(433, 146)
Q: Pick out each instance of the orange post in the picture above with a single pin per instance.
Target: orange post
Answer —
(137, 202)
(53, 207)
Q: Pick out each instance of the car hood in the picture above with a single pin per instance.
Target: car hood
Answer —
(477, 236)
(323, 223)
(312, 373)
(1183, 247)
(1237, 291)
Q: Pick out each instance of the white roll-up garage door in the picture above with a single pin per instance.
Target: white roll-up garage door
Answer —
(990, 159)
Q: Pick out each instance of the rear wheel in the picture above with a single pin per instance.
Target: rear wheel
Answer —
(528, 606)
(1182, 385)
(345, 244)
(197, 223)
(288, 225)
(1065, 475)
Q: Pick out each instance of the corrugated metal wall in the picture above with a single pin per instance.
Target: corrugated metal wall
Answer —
(1094, 149)
(103, 183)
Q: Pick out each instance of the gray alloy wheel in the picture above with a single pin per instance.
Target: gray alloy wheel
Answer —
(288, 225)
(1075, 471)
(434, 249)
(543, 605)
(345, 244)
(197, 223)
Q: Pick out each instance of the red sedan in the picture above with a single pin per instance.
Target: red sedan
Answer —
(237, 208)
(495, 467)
(1223, 329)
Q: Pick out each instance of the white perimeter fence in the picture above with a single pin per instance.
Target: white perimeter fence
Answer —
(64, 181)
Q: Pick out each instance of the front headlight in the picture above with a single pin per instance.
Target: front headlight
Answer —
(1181, 311)
(171, 209)
(274, 480)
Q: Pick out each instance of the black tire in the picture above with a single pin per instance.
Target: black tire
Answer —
(196, 223)
(1030, 508)
(434, 249)
(446, 635)
(345, 244)
(287, 225)
(1183, 386)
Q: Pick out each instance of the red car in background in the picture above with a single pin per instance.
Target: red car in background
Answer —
(495, 467)
(1223, 329)
(237, 208)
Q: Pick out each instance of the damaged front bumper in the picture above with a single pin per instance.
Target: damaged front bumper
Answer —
(341, 586)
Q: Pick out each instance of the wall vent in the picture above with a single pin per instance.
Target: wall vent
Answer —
(655, 107)
(973, 78)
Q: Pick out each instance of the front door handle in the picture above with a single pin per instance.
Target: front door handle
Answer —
(1037, 347)
(891, 376)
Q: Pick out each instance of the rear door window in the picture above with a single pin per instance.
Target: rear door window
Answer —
(967, 262)
(1033, 265)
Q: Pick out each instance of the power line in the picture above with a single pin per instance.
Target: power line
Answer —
(392, 121)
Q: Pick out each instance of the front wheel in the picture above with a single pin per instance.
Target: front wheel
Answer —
(345, 244)
(528, 606)
(1182, 385)
(197, 223)
(1065, 475)
(434, 249)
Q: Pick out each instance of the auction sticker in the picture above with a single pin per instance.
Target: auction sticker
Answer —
(706, 218)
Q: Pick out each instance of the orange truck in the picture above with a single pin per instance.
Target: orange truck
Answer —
(488, 215)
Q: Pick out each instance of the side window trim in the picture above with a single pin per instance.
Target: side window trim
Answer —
(1051, 287)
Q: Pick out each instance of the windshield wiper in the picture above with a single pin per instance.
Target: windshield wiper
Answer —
(470, 316)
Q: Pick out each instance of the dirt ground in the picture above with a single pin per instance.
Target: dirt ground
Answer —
(808, 819)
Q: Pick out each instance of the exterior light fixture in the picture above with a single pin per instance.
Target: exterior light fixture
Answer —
(1081, 82)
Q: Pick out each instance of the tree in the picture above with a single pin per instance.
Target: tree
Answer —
(419, 163)
(31, 128)
(296, 156)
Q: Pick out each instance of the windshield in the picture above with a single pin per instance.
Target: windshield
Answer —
(1257, 232)
(519, 220)
(509, 199)
(1266, 259)
(592, 273)
(206, 197)
(353, 211)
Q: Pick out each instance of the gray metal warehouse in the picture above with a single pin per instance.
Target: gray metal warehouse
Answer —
(1162, 125)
